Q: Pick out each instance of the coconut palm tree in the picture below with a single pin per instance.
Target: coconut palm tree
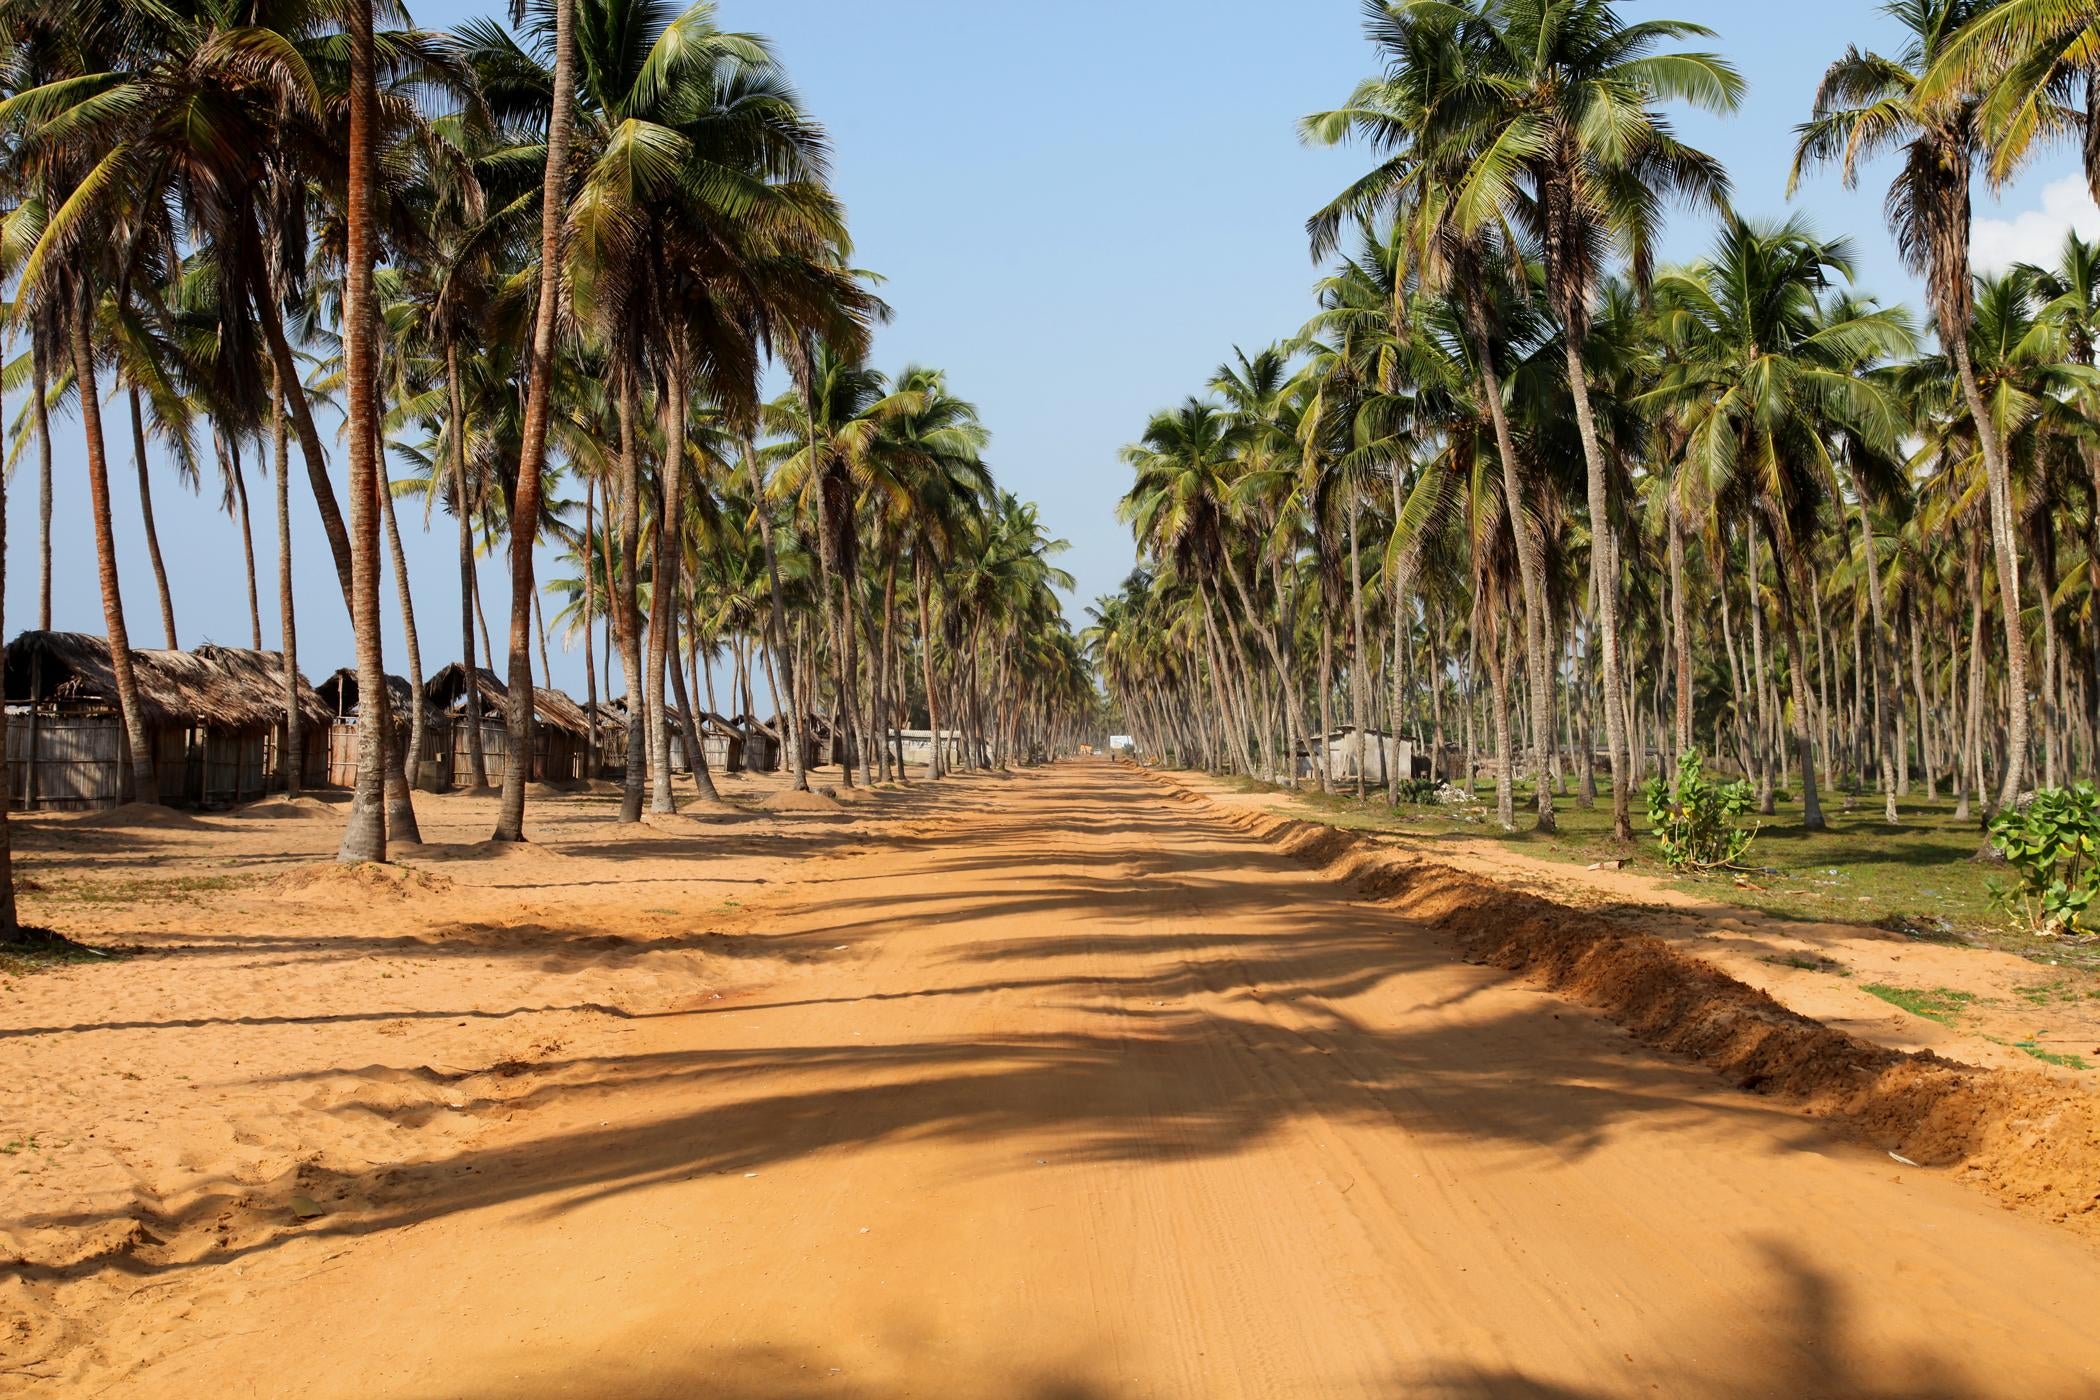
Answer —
(702, 234)
(1763, 378)
(2024, 62)
(1442, 242)
(1868, 104)
(526, 486)
(1177, 507)
(828, 434)
(1555, 106)
(927, 481)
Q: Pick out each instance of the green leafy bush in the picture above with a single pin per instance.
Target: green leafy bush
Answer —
(1693, 819)
(2053, 845)
(1418, 789)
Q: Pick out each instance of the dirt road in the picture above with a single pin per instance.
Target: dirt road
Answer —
(1076, 1095)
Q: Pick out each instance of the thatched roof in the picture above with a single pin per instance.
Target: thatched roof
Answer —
(339, 693)
(447, 691)
(558, 711)
(224, 687)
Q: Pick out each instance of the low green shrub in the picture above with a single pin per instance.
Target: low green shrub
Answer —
(1418, 789)
(1693, 818)
(2053, 846)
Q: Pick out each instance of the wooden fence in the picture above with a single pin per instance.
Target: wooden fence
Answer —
(79, 763)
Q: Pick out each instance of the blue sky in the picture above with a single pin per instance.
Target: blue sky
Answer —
(1080, 209)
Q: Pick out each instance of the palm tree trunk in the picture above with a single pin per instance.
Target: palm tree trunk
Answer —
(10, 924)
(240, 500)
(1604, 577)
(1358, 700)
(663, 598)
(1292, 710)
(883, 672)
(463, 510)
(525, 498)
(2092, 566)
(292, 757)
(539, 624)
(2045, 564)
(2005, 554)
(40, 381)
(364, 837)
(1220, 682)
(626, 600)
(1922, 700)
(1396, 683)
(862, 640)
(1760, 677)
(1736, 707)
(412, 761)
(142, 784)
(837, 606)
(1884, 692)
(791, 704)
(688, 725)
(315, 456)
(1531, 558)
(936, 766)
(160, 569)
(1802, 692)
(401, 812)
(1323, 758)
(1680, 628)
(590, 615)
(1505, 755)
(1972, 748)
(1826, 729)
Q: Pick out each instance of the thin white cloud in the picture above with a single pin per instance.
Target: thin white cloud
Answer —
(2035, 235)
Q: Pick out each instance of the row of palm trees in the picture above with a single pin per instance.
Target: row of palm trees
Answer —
(544, 271)
(1514, 488)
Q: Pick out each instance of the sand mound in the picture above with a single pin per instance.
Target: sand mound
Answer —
(2029, 1139)
(297, 809)
(543, 789)
(791, 800)
(695, 813)
(523, 852)
(853, 796)
(140, 816)
(334, 880)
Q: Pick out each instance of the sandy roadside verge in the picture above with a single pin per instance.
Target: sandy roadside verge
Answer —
(2027, 1134)
(1820, 969)
(277, 1034)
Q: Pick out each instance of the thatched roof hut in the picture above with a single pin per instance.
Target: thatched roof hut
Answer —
(339, 694)
(225, 688)
(560, 730)
(213, 716)
(446, 690)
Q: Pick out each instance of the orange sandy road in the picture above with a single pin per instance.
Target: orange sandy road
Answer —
(1083, 1096)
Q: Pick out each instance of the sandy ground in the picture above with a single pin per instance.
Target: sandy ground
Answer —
(1049, 1086)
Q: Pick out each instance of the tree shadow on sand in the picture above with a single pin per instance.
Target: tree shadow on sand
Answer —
(1806, 1343)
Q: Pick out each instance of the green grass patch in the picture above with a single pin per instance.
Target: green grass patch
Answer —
(1920, 879)
(143, 890)
(2062, 991)
(2052, 1057)
(1941, 1004)
(40, 950)
(1809, 962)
